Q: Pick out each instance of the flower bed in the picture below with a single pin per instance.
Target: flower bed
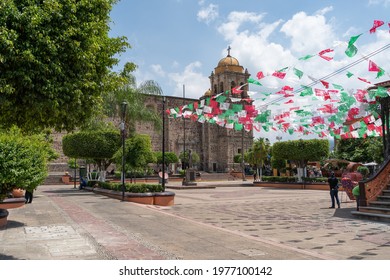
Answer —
(152, 194)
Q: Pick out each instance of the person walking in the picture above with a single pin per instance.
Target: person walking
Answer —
(334, 190)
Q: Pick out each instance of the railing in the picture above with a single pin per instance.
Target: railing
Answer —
(373, 187)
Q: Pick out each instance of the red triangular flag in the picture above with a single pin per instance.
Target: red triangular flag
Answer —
(260, 75)
(373, 67)
(279, 75)
(377, 23)
(324, 83)
(237, 90)
(321, 54)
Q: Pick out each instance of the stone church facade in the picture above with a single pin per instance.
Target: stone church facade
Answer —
(215, 145)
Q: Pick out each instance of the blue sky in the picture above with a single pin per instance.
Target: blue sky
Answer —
(176, 42)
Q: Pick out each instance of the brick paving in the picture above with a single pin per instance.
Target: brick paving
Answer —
(233, 221)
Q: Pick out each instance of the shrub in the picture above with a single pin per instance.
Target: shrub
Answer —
(315, 179)
(22, 161)
(279, 179)
(363, 170)
(134, 188)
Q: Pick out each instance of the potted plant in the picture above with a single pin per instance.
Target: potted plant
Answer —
(23, 164)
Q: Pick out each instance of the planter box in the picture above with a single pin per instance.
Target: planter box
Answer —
(159, 198)
(141, 198)
(17, 193)
(65, 179)
(10, 203)
(164, 198)
(3, 217)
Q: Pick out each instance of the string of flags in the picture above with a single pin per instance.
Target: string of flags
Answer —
(322, 108)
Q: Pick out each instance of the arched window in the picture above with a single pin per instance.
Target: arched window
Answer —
(221, 87)
(232, 84)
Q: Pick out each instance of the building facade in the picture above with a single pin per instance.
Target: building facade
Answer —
(215, 145)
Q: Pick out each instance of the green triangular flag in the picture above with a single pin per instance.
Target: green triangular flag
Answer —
(253, 81)
(306, 57)
(380, 73)
(298, 73)
(238, 126)
(306, 91)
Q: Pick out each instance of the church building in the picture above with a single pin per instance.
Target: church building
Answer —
(215, 145)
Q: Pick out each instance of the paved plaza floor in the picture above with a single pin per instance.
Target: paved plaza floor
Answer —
(234, 221)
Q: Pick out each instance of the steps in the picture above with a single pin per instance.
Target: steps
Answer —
(378, 210)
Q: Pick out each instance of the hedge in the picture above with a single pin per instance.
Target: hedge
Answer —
(133, 188)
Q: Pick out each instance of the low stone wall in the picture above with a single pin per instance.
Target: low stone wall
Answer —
(301, 186)
(158, 198)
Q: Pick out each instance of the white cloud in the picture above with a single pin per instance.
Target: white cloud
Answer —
(308, 33)
(157, 68)
(253, 44)
(208, 14)
(194, 81)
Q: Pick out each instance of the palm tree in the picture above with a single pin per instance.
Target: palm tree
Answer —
(258, 155)
(134, 96)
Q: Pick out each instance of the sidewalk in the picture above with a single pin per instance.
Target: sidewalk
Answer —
(232, 221)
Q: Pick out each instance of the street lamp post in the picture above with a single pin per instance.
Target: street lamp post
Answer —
(163, 144)
(242, 156)
(122, 127)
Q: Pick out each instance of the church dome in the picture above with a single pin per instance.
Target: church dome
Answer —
(228, 61)
(208, 93)
(229, 64)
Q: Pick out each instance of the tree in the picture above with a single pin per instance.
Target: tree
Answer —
(301, 151)
(360, 149)
(184, 157)
(170, 158)
(138, 153)
(134, 96)
(55, 61)
(257, 156)
(23, 160)
(98, 145)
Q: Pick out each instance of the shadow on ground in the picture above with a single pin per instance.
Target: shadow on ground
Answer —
(13, 224)
(7, 257)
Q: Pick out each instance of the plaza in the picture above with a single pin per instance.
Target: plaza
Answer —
(233, 221)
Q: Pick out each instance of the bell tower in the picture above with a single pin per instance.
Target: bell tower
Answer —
(220, 144)
(227, 75)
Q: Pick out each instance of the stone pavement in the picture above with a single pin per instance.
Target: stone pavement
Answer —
(233, 221)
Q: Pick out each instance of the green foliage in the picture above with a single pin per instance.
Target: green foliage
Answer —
(23, 161)
(315, 179)
(363, 170)
(278, 163)
(294, 179)
(170, 157)
(258, 153)
(137, 109)
(72, 163)
(237, 158)
(55, 61)
(99, 145)
(133, 188)
(360, 149)
(138, 152)
(279, 179)
(184, 157)
(301, 151)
